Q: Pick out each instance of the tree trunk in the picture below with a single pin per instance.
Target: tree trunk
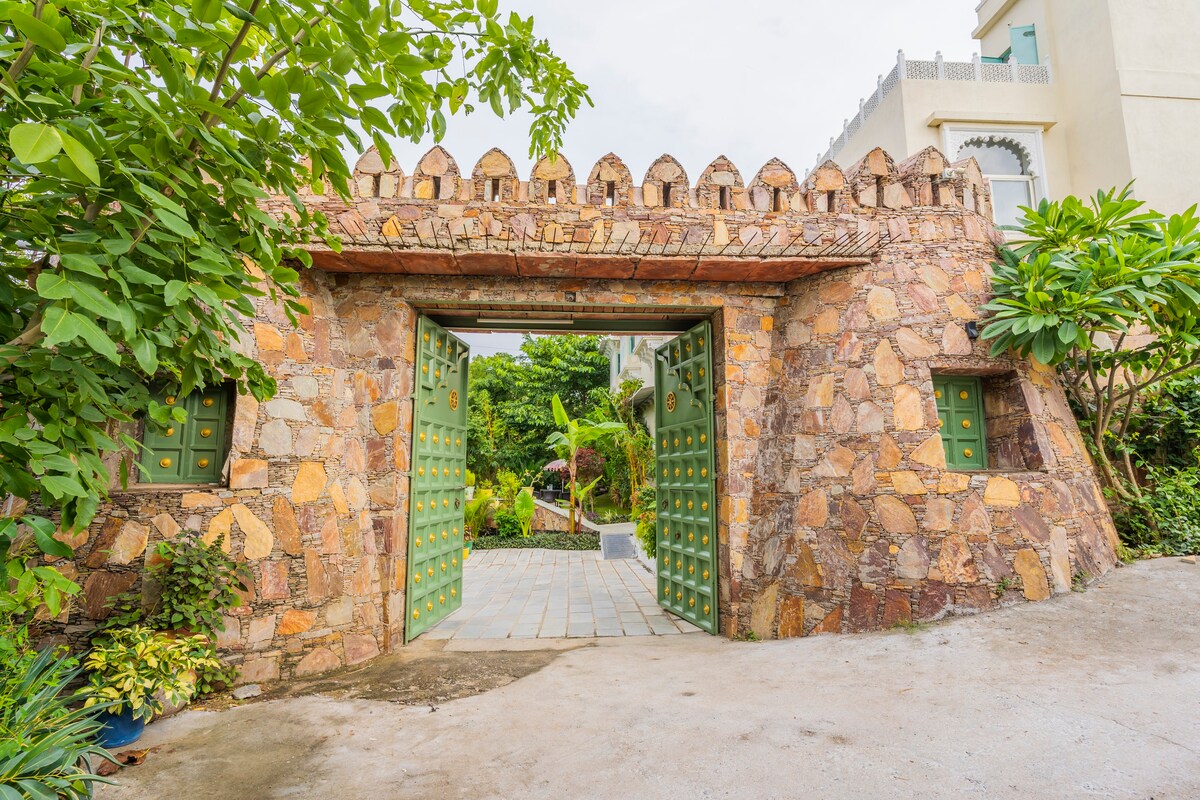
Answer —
(571, 515)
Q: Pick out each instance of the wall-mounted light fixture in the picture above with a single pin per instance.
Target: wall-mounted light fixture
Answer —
(972, 329)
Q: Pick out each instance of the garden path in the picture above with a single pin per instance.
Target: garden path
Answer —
(547, 594)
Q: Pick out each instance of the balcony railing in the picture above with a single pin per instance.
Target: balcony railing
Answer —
(935, 70)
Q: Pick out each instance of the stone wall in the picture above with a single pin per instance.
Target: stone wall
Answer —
(856, 523)
(835, 510)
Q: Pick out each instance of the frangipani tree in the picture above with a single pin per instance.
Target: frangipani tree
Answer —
(1110, 295)
(137, 141)
(574, 435)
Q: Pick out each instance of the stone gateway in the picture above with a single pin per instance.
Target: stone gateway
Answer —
(872, 464)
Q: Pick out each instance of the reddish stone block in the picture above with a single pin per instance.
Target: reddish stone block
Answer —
(934, 600)
(864, 610)
(897, 609)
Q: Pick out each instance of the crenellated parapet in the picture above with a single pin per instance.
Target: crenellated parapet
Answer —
(774, 227)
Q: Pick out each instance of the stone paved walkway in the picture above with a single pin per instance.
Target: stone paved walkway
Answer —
(544, 594)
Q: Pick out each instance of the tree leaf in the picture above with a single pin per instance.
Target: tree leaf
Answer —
(81, 157)
(38, 32)
(34, 142)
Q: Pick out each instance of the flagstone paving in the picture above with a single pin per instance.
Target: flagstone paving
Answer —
(547, 594)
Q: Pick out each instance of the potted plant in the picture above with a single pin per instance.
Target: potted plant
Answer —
(469, 482)
(135, 670)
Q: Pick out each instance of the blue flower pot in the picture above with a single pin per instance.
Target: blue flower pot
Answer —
(120, 728)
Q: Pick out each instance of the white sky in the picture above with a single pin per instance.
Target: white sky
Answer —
(701, 78)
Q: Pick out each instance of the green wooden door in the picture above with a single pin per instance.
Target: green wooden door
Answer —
(961, 421)
(436, 480)
(687, 531)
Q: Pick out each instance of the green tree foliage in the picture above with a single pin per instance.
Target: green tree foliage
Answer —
(508, 407)
(138, 143)
(1110, 295)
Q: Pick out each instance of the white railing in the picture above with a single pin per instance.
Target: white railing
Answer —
(935, 70)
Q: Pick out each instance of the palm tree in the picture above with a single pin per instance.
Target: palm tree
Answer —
(574, 436)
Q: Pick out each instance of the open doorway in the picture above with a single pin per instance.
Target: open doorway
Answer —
(466, 578)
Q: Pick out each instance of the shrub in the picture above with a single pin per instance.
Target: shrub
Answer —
(199, 582)
(507, 522)
(1165, 519)
(507, 485)
(129, 667)
(46, 738)
(549, 540)
(645, 511)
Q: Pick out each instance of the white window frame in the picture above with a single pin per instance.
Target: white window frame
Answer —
(1027, 138)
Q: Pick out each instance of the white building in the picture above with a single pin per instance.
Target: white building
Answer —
(1068, 97)
(632, 358)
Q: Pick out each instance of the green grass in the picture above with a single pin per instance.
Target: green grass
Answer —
(605, 503)
(548, 540)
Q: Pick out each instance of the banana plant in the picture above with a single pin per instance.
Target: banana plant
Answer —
(574, 435)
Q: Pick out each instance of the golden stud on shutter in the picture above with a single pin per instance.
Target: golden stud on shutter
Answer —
(703, 437)
(679, 595)
(456, 472)
(705, 576)
(689, 472)
(704, 540)
(691, 537)
(966, 423)
(963, 394)
(691, 569)
(444, 534)
(205, 432)
(678, 564)
(677, 472)
(422, 437)
(453, 592)
(664, 442)
(704, 472)
(420, 506)
(416, 614)
(429, 606)
(968, 452)
(171, 400)
(170, 431)
(666, 591)
(425, 369)
(166, 462)
(427, 336)
(690, 504)
(454, 562)
(704, 506)
(431, 572)
(418, 545)
(677, 504)
(442, 599)
(677, 441)
(420, 470)
(446, 472)
(689, 440)
(417, 578)
(208, 401)
(202, 463)
(937, 393)
(457, 442)
(706, 610)
(691, 602)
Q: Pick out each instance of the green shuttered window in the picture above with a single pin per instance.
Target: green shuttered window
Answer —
(960, 420)
(192, 451)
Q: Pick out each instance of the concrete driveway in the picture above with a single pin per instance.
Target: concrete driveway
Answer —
(1089, 695)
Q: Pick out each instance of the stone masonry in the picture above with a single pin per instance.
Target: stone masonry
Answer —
(832, 298)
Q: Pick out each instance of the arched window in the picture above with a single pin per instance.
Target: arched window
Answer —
(1006, 166)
